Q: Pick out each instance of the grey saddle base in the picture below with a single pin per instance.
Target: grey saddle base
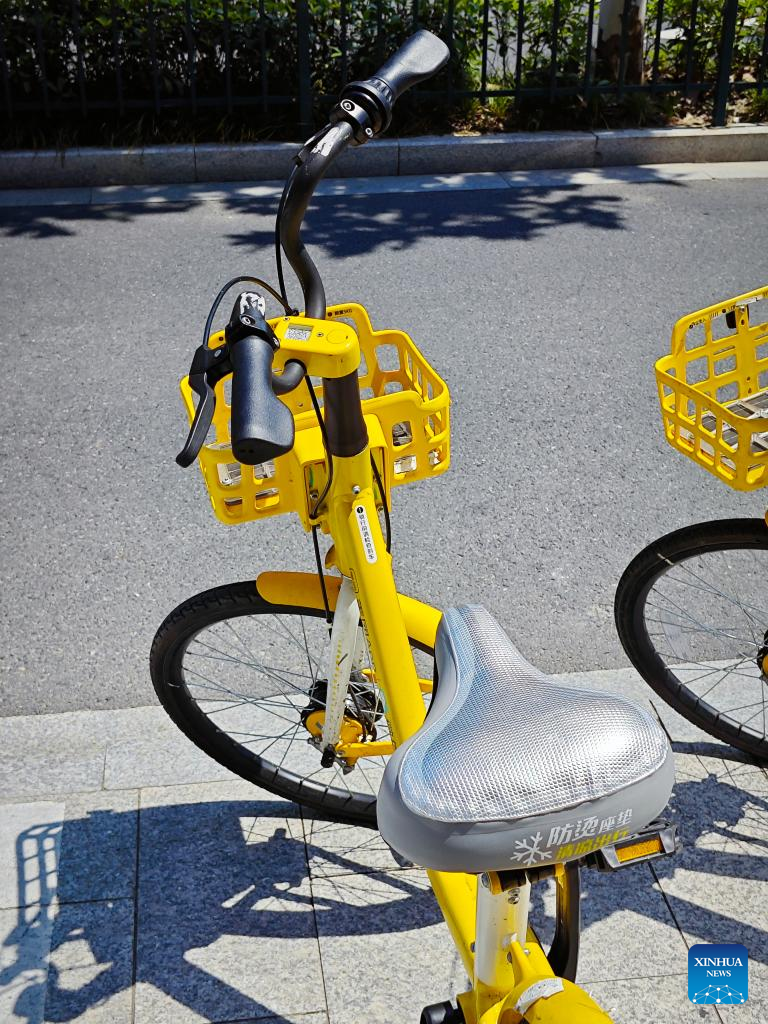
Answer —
(512, 769)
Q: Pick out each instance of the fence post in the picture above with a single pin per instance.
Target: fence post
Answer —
(305, 78)
(727, 38)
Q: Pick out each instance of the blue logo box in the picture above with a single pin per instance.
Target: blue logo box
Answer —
(717, 973)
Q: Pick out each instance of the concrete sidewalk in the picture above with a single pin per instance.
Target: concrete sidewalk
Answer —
(140, 882)
(249, 191)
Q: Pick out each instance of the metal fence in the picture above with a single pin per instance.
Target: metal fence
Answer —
(77, 57)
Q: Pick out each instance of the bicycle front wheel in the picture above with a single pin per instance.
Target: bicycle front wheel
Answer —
(692, 615)
(242, 679)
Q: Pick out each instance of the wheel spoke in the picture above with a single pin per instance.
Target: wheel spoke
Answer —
(705, 616)
(253, 675)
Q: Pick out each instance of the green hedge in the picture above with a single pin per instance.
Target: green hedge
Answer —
(176, 49)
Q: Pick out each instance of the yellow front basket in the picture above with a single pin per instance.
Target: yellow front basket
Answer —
(405, 404)
(713, 389)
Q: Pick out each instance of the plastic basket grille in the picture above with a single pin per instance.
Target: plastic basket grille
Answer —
(406, 409)
(713, 390)
(514, 743)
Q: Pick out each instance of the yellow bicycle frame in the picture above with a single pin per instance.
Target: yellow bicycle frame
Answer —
(511, 979)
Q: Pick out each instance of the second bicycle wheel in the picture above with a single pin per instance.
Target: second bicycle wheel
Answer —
(243, 679)
(692, 615)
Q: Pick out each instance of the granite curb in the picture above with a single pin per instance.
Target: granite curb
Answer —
(439, 154)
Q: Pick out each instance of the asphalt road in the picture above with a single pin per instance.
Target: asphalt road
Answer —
(543, 308)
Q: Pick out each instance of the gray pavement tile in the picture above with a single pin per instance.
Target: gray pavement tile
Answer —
(91, 963)
(645, 147)
(97, 847)
(25, 941)
(663, 999)
(82, 167)
(118, 195)
(225, 907)
(755, 1010)
(628, 930)
(80, 849)
(244, 162)
(57, 768)
(716, 884)
(739, 169)
(80, 751)
(565, 178)
(48, 755)
(67, 963)
(564, 149)
(680, 730)
(151, 165)
(30, 837)
(334, 848)
(379, 157)
(294, 1018)
(160, 756)
(383, 935)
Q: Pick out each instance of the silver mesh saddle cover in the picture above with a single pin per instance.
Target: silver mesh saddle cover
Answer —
(512, 769)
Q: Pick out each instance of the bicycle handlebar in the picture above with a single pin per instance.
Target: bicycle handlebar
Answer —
(262, 426)
(363, 111)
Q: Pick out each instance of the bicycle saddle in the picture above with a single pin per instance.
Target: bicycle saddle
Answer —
(512, 769)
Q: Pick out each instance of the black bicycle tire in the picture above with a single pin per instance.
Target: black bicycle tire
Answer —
(631, 593)
(167, 650)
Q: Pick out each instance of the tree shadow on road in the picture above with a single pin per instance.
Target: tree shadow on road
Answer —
(46, 222)
(355, 225)
(349, 225)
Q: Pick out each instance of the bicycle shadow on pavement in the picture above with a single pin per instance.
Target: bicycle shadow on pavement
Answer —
(720, 807)
(219, 906)
(212, 878)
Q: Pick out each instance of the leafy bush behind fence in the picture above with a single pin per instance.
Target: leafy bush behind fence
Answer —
(201, 62)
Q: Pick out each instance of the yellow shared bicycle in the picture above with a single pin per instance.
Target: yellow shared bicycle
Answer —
(333, 689)
(691, 608)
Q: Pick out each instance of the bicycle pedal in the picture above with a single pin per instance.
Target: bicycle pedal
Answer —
(658, 839)
(441, 1013)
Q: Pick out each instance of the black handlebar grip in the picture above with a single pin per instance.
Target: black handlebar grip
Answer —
(262, 427)
(419, 58)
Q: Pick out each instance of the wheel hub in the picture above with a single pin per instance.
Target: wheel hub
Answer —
(361, 711)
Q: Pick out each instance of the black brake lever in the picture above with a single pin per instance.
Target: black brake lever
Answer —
(208, 367)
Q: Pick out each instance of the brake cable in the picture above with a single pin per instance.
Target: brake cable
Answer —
(220, 297)
(298, 161)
